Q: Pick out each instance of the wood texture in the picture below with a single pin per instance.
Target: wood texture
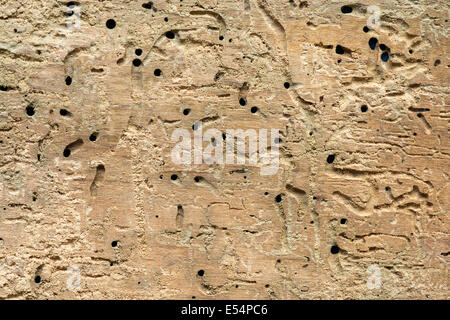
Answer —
(364, 150)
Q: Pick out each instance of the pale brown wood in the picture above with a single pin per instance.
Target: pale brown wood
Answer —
(109, 222)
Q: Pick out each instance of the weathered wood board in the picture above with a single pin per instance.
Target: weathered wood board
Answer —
(93, 207)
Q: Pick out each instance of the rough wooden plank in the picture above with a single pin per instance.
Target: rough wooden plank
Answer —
(92, 205)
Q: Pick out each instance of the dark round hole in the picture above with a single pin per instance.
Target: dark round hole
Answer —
(287, 85)
(385, 56)
(63, 112)
(114, 243)
(170, 35)
(221, 38)
(30, 111)
(201, 273)
(186, 111)
(343, 221)
(364, 108)
(242, 101)
(387, 188)
(334, 249)
(70, 5)
(197, 179)
(373, 43)
(66, 153)
(278, 198)
(93, 137)
(157, 72)
(346, 9)
(266, 193)
(411, 51)
(37, 279)
(339, 49)
(111, 24)
(419, 115)
(174, 177)
(137, 62)
(382, 46)
(147, 5)
(366, 29)
(254, 109)
(138, 52)
(437, 62)
(68, 81)
(330, 158)
(166, 19)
